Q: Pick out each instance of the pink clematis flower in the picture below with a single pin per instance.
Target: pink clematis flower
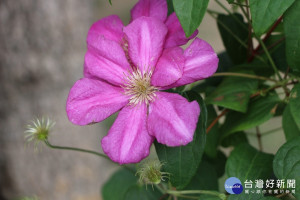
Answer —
(127, 68)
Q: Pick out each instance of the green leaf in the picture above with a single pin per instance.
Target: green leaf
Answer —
(123, 185)
(190, 14)
(287, 162)
(137, 192)
(289, 125)
(295, 104)
(182, 162)
(218, 162)
(230, 96)
(291, 25)
(264, 13)
(246, 163)
(206, 178)
(260, 110)
(235, 22)
(235, 139)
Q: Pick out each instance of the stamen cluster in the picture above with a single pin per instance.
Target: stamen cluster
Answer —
(137, 84)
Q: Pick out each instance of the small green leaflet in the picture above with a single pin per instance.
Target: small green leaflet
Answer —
(190, 14)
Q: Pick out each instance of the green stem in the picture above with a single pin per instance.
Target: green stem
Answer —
(213, 193)
(271, 131)
(214, 12)
(233, 16)
(76, 149)
(85, 151)
(269, 57)
(232, 34)
(267, 132)
(187, 197)
(246, 15)
(258, 135)
(239, 4)
(160, 189)
(228, 30)
(244, 75)
(264, 48)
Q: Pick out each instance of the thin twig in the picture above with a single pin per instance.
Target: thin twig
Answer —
(86, 151)
(216, 120)
(231, 14)
(269, 58)
(250, 42)
(258, 135)
(286, 72)
(239, 4)
(245, 76)
(269, 33)
(252, 96)
(232, 34)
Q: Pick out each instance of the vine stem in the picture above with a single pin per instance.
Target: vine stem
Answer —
(244, 75)
(258, 135)
(262, 44)
(216, 120)
(85, 151)
(75, 149)
(278, 85)
(250, 42)
(213, 13)
(269, 57)
(265, 38)
(239, 4)
(267, 132)
(213, 193)
(227, 29)
(230, 13)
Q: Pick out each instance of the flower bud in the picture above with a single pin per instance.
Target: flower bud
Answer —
(150, 172)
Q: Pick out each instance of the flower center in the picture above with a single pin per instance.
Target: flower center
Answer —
(137, 85)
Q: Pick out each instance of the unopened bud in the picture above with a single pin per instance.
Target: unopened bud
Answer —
(150, 172)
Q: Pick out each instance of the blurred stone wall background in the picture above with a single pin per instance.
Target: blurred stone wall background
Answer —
(42, 47)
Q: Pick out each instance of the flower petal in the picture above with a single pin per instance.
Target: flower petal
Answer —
(92, 101)
(200, 62)
(150, 8)
(106, 60)
(169, 67)
(176, 35)
(172, 119)
(128, 140)
(110, 27)
(145, 37)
